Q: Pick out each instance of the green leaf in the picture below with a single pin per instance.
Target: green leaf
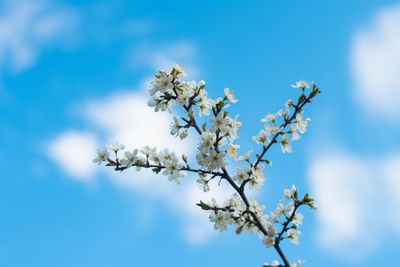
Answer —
(203, 205)
(301, 99)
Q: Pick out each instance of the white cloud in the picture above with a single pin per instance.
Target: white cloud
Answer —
(27, 26)
(375, 61)
(74, 152)
(126, 118)
(358, 199)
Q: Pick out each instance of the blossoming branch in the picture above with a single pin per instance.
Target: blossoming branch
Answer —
(217, 144)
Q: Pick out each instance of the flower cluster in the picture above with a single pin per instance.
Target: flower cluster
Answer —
(217, 148)
(147, 157)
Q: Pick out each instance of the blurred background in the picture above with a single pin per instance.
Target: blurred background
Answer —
(74, 75)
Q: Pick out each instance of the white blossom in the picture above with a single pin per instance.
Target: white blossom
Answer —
(148, 151)
(258, 178)
(232, 150)
(242, 174)
(269, 241)
(215, 160)
(234, 126)
(168, 90)
(115, 147)
(245, 156)
(203, 183)
(181, 69)
(102, 155)
(285, 144)
(289, 103)
(283, 113)
(262, 137)
(294, 236)
(173, 171)
(288, 193)
(301, 84)
(301, 123)
(229, 94)
(294, 133)
(183, 134)
(207, 141)
(219, 122)
(162, 83)
(175, 127)
(298, 218)
(130, 158)
(269, 117)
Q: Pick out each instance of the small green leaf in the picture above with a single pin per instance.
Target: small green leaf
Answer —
(301, 99)
(203, 205)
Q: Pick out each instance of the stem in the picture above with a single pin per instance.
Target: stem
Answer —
(278, 249)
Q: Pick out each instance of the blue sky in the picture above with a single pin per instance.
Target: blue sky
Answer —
(73, 77)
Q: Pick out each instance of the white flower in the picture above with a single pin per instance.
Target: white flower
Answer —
(173, 171)
(262, 137)
(215, 160)
(289, 103)
(219, 122)
(130, 158)
(270, 117)
(148, 151)
(245, 156)
(167, 157)
(298, 218)
(272, 129)
(102, 155)
(162, 83)
(230, 95)
(288, 193)
(301, 123)
(233, 150)
(234, 125)
(203, 184)
(207, 141)
(294, 236)
(183, 134)
(221, 220)
(271, 230)
(205, 106)
(115, 147)
(255, 206)
(283, 209)
(175, 126)
(181, 69)
(301, 84)
(283, 113)
(236, 203)
(285, 144)
(242, 174)
(269, 241)
(294, 133)
(258, 178)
